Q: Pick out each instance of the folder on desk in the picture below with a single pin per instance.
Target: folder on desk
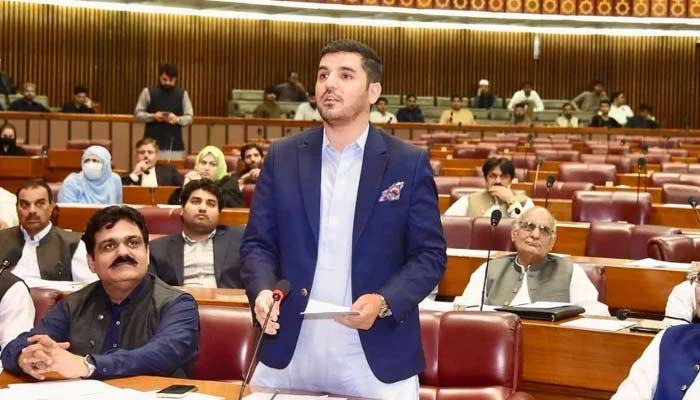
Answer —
(545, 313)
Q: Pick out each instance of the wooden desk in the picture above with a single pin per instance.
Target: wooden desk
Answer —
(146, 195)
(62, 162)
(218, 297)
(15, 170)
(636, 288)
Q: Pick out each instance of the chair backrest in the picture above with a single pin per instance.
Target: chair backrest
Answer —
(674, 248)
(608, 239)
(621, 163)
(641, 235)
(616, 149)
(611, 207)
(481, 235)
(679, 194)
(661, 178)
(445, 184)
(33, 149)
(82, 144)
(558, 155)
(471, 355)
(226, 343)
(523, 161)
(596, 274)
(560, 190)
(596, 174)
(457, 231)
(43, 300)
(162, 221)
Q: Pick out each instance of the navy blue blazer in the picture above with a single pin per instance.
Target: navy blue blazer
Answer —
(398, 246)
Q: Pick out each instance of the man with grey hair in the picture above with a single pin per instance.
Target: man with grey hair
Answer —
(533, 274)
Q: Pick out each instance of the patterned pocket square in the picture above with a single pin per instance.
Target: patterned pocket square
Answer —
(392, 193)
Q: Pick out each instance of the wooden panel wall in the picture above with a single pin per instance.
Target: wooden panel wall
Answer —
(116, 55)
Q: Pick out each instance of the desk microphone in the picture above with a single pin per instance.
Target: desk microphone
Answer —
(694, 203)
(451, 114)
(624, 313)
(538, 163)
(641, 163)
(278, 294)
(496, 216)
(10, 260)
(390, 119)
(550, 183)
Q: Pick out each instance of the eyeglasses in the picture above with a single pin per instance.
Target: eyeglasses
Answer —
(529, 226)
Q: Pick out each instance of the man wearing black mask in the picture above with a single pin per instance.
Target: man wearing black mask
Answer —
(165, 109)
(8, 142)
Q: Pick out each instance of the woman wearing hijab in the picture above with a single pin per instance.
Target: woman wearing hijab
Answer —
(211, 164)
(8, 141)
(96, 184)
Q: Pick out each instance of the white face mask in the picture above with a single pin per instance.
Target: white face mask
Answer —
(92, 170)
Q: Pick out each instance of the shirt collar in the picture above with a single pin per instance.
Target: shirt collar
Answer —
(37, 238)
(190, 242)
(360, 142)
(134, 294)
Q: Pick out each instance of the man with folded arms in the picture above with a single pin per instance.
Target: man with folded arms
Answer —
(205, 254)
(47, 252)
(127, 323)
(532, 274)
(499, 174)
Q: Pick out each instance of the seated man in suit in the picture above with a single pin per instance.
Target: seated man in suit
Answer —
(668, 368)
(127, 323)
(204, 254)
(499, 174)
(532, 274)
(36, 248)
(147, 172)
(16, 308)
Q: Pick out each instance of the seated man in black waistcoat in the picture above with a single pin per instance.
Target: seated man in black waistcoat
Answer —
(44, 251)
(127, 323)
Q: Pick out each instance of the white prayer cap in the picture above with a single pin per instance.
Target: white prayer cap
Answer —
(483, 82)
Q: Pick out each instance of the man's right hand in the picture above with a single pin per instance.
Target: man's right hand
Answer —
(140, 167)
(262, 305)
(159, 116)
(36, 359)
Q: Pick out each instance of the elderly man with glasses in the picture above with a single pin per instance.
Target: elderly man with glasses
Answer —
(533, 274)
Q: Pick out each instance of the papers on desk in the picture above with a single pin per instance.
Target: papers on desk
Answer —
(468, 253)
(268, 396)
(87, 389)
(652, 263)
(321, 310)
(432, 305)
(596, 324)
(61, 286)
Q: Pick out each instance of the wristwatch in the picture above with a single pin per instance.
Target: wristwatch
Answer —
(384, 310)
(90, 364)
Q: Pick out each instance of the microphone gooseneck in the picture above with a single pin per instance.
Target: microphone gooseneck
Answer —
(496, 216)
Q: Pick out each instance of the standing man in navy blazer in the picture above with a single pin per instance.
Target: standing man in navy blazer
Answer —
(349, 215)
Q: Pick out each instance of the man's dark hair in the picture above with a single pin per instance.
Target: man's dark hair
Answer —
(408, 96)
(519, 105)
(563, 106)
(8, 125)
(615, 95)
(382, 99)
(597, 82)
(145, 141)
(249, 146)
(646, 107)
(604, 102)
(504, 164)
(371, 62)
(35, 183)
(529, 83)
(107, 218)
(80, 89)
(205, 184)
(455, 96)
(168, 69)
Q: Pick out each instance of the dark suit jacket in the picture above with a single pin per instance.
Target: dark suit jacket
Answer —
(165, 176)
(167, 257)
(398, 246)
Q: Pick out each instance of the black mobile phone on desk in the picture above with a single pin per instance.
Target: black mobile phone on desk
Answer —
(176, 391)
(645, 329)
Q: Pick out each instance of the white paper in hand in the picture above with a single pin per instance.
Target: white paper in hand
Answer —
(321, 310)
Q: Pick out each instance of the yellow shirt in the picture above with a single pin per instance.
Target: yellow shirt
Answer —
(461, 117)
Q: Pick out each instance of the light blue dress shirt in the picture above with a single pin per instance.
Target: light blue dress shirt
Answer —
(329, 356)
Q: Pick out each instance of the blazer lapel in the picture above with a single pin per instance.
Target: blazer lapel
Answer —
(310, 177)
(176, 248)
(220, 250)
(374, 163)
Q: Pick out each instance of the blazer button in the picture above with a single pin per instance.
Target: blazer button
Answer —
(684, 388)
(92, 343)
(100, 317)
(696, 367)
(304, 292)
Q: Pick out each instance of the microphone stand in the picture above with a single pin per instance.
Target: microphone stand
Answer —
(495, 219)
(693, 203)
(640, 163)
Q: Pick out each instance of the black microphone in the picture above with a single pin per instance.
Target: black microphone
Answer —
(624, 313)
(390, 119)
(641, 162)
(278, 294)
(496, 216)
(451, 114)
(550, 183)
(11, 259)
(694, 203)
